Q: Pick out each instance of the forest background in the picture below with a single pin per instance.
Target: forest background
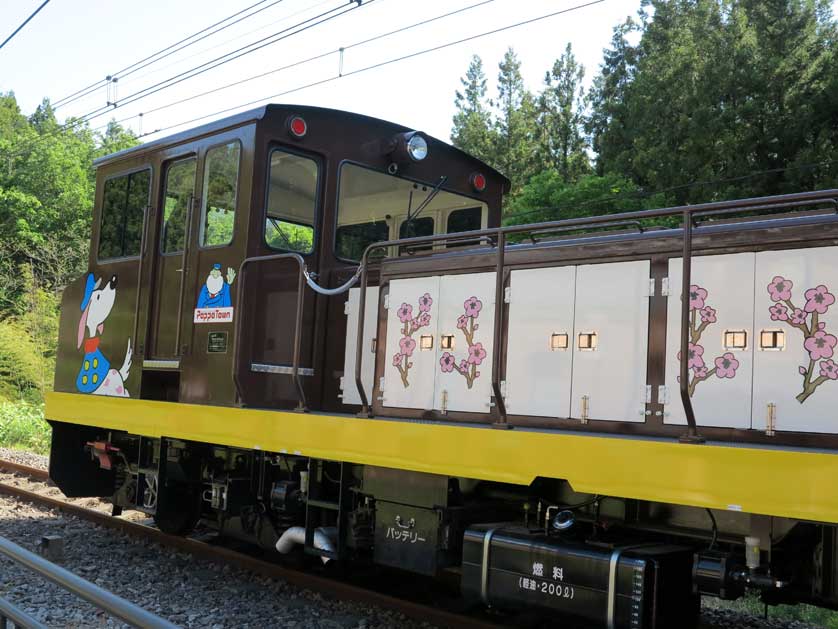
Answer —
(693, 101)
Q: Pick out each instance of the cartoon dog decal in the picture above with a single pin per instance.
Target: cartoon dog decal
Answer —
(96, 375)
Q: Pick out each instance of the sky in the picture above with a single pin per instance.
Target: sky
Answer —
(71, 44)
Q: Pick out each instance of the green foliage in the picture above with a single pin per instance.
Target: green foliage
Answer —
(720, 90)
(472, 130)
(549, 197)
(22, 425)
(25, 370)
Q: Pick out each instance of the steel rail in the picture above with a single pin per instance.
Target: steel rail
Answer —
(225, 556)
(298, 321)
(687, 213)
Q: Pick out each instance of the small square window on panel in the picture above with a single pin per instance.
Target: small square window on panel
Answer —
(446, 341)
(559, 341)
(735, 339)
(587, 341)
(772, 340)
(426, 342)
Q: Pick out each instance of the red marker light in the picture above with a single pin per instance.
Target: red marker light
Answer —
(478, 181)
(297, 127)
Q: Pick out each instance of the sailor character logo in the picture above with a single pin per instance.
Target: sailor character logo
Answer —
(96, 375)
(215, 305)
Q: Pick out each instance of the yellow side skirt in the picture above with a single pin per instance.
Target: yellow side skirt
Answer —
(789, 483)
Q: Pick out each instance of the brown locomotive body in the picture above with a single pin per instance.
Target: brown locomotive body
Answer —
(528, 374)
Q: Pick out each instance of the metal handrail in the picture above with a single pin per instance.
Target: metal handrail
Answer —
(688, 213)
(101, 598)
(295, 363)
(19, 617)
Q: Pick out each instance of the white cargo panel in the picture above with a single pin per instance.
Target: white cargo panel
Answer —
(347, 384)
(466, 323)
(612, 325)
(795, 363)
(540, 341)
(721, 321)
(409, 370)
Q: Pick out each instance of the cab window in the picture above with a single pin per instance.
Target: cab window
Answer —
(292, 202)
(218, 211)
(124, 203)
(374, 206)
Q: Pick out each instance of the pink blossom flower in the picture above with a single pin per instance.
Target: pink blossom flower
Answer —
(818, 300)
(424, 320)
(701, 372)
(697, 297)
(407, 345)
(820, 345)
(425, 303)
(447, 362)
(473, 307)
(462, 322)
(708, 314)
(476, 354)
(798, 317)
(726, 366)
(463, 367)
(829, 369)
(695, 354)
(397, 360)
(802, 370)
(780, 289)
(779, 312)
(405, 313)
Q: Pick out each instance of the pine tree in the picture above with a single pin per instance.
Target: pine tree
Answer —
(472, 129)
(515, 127)
(561, 142)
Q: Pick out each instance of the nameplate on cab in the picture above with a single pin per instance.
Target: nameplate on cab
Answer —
(213, 315)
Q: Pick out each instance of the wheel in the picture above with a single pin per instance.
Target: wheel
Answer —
(178, 510)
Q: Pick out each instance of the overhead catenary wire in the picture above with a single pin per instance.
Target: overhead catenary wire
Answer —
(168, 50)
(232, 56)
(381, 64)
(25, 22)
(276, 37)
(315, 57)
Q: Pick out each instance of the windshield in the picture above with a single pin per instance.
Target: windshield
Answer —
(374, 206)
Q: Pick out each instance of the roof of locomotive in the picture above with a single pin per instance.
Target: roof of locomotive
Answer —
(266, 111)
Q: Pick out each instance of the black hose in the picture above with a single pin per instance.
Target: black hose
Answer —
(715, 530)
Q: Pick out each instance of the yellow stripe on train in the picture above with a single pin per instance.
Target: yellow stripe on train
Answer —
(788, 483)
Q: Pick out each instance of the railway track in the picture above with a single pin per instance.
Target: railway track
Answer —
(219, 554)
(712, 619)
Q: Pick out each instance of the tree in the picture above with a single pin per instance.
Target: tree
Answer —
(472, 128)
(515, 129)
(561, 141)
(716, 92)
(115, 138)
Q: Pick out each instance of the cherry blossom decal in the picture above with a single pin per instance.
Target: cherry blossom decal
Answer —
(467, 367)
(819, 344)
(410, 325)
(702, 317)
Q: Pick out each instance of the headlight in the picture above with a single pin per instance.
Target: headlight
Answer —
(417, 148)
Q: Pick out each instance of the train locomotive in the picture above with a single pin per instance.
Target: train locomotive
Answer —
(308, 329)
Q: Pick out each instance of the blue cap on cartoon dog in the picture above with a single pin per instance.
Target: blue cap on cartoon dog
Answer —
(216, 266)
(89, 287)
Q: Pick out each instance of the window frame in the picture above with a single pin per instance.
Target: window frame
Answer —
(383, 172)
(201, 224)
(163, 182)
(125, 173)
(318, 200)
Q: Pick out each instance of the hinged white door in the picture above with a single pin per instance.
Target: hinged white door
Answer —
(610, 342)
(721, 337)
(368, 346)
(539, 355)
(410, 360)
(796, 358)
(464, 343)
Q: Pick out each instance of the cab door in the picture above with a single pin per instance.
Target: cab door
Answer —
(166, 324)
